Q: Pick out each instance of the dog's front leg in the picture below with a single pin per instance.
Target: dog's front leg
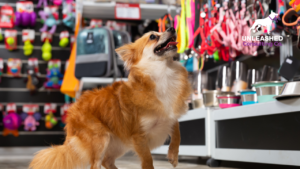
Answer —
(174, 145)
(141, 148)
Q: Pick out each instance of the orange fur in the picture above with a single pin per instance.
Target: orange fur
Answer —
(137, 115)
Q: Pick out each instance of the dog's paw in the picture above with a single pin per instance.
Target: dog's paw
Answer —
(173, 157)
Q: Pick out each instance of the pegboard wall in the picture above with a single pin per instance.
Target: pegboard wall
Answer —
(13, 90)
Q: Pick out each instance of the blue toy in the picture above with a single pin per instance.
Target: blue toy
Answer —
(54, 76)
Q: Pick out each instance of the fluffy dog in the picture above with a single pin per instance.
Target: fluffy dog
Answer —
(137, 115)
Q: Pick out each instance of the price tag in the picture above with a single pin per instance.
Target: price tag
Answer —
(128, 11)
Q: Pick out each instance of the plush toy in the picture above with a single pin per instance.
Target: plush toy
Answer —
(25, 15)
(31, 116)
(50, 119)
(69, 14)
(49, 17)
(11, 121)
(46, 49)
(54, 76)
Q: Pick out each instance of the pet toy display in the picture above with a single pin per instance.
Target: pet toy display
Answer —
(31, 116)
(11, 39)
(25, 15)
(64, 39)
(54, 76)
(28, 39)
(7, 17)
(50, 119)
(32, 80)
(11, 120)
(49, 18)
(69, 13)
(46, 48)
(14, 67)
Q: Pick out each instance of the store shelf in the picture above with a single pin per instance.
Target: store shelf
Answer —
(261, 109)
(102, 10)
(192, 150)
(90, 82)
(259, 133)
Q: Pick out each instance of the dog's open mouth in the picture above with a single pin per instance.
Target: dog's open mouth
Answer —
(170, 44)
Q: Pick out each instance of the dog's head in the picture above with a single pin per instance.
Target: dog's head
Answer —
(153, 46)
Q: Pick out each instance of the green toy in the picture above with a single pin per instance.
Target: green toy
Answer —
(10, 40)
(28, 48)
(1, 37)
(46, 49)
(216, 56)
(64, 42)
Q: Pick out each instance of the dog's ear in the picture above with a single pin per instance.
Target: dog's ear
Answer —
(127, 54)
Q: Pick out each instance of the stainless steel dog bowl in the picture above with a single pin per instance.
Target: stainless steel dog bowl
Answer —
(228, 100)
(248, 96)
(210, 97)
(289, 90)
(266, 90)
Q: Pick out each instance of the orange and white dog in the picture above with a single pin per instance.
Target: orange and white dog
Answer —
(137, 115)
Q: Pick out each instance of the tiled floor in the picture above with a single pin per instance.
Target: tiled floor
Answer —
(127, 162)
(160, 162)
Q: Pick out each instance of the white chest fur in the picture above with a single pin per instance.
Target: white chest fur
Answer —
(167, 83)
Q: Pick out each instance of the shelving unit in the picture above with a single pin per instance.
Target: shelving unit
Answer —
(93, 82)
(106, 10)
(200, 148)
(260, 133)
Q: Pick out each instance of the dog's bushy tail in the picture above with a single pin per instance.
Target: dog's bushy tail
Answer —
(59, 157)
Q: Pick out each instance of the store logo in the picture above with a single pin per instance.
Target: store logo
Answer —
(260, 27)
(267, 22)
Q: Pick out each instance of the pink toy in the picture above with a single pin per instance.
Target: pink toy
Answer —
(31, 117)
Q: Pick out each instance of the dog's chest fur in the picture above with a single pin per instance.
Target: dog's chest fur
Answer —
(167, 85)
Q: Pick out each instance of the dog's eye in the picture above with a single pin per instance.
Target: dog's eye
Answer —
(152, 37)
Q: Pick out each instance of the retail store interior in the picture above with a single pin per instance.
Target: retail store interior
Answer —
(241, 59)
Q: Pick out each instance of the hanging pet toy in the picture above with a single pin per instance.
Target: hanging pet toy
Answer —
(49, 17)
(50, 119)
(28, 39)
(25, 15)
(32, 80)
(31, 116)
(54, 76)
(69, 14)
(11, 120)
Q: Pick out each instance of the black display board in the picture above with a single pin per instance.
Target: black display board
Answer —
(10, 87)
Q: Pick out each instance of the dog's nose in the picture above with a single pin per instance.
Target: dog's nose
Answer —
(171, 29)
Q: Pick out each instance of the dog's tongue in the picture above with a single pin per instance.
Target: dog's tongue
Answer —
(171, 43)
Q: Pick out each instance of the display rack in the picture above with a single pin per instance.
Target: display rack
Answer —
(106, 10)
(201, 148)
(259, 133)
